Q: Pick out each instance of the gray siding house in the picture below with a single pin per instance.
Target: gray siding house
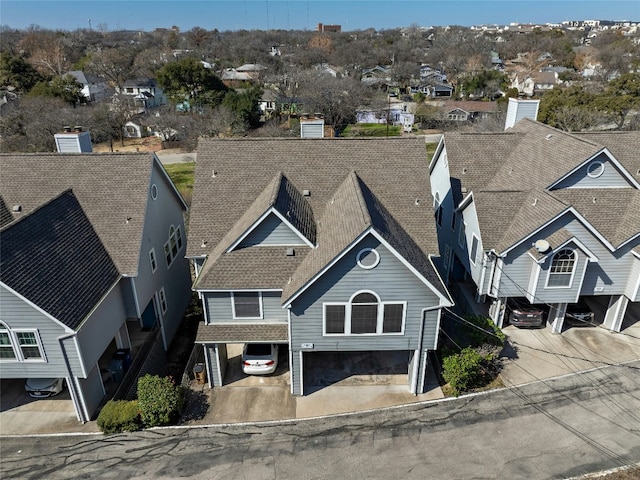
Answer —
(92, 245)
(539, 216)
(317, 244)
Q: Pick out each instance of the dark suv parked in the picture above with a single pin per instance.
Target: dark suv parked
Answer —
(523, 315)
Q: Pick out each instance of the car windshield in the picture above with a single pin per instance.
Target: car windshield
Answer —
(259, 349)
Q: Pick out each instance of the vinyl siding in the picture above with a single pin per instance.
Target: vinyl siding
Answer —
(634, 278)
(610, 177)
(390, 280)
(272, 231)
(515, 276)
(17, 314)
(176, 279)
(472, 229)
(219, 309)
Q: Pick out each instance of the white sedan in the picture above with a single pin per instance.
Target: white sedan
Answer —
(259, 358)
(43, 387)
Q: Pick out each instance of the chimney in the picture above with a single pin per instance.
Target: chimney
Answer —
(73, 140)
(519, 109)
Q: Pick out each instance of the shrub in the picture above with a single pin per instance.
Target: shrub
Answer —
(119, 416)
(159, 399)
(479, 337)
(462, 370)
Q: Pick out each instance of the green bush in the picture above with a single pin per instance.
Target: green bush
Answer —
(479, 337)
(119, 416)
(159, 399)
(462, 370)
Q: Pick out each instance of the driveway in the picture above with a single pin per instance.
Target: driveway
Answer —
(537, 354)
(22, 415)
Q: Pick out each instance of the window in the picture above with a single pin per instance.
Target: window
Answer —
(20, 345)
(6, 348)
(562, 268)
(367, 258)
(163, 300)
(364, 314)
(173, 245)
(154, 191)
(454, 217)
(447, 257)
(462, 234)
(247, 304)
(474, 249)
(152, 260)
(438, 209)
(595, 169)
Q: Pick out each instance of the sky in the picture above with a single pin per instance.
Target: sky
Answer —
(223, 15)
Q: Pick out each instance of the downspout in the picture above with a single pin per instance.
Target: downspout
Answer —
(78, 400)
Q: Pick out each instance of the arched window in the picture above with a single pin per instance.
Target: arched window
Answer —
(364, 314)
(562, 268)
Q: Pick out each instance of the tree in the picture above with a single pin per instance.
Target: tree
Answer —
(64, 87)
(15, 71)
(188, 79)
(245, 106)
(116, 65)
(621, 97)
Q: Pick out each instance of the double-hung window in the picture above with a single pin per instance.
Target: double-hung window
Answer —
(247, 304)
(20, 345)
(364, 314)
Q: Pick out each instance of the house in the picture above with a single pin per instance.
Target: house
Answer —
(538, 216)
(268, 103)
(537, 83)
(136, 128)
(465, 111)
(144, 92)
(94, 88)
(322, 245)
(397, 113)
(92, 248)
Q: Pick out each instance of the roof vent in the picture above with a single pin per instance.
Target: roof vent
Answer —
(594, 200)
(464, 170)
(17, 208)
(77, 128)
(203, 244)
(306, 193)
(542, 246)
(291, 252)
(463, 189)
(535, 202)
(66, 129)
(549, 136)
(417, 202)
(213, 174)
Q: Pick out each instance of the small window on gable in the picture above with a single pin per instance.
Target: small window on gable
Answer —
(154, 191)
(562, 269)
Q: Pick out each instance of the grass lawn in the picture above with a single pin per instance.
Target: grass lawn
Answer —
(182, 176)
(372, 130)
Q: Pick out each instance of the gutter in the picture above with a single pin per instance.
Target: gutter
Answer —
(78, 400)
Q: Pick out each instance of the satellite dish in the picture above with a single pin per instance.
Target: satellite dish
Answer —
(542, 246)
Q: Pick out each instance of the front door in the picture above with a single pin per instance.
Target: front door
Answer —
(149, 317)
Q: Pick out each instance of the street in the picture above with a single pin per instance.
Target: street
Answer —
(558, 428)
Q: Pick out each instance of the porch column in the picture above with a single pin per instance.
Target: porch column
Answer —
(615, 312)
(556, 316)
(497, 310)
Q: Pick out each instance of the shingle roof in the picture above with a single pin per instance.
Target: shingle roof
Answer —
(391, 175)
(54, 257)
(111, 188)
(509, 173)
(242, 333)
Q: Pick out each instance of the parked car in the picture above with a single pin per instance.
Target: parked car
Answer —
(579, 315)
(259, 358)
(43, 387)
(522, 315)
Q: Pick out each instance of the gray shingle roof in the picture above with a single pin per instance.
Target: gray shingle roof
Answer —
(111, 188)
(509, 173)
(391, 175)
(54, 257)
(242, 333)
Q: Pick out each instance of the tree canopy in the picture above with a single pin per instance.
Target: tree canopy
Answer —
(188, 79)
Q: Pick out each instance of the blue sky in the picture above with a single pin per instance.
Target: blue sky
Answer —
(302, 14)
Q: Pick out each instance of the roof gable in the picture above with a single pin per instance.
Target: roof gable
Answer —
(54, 258)
(600, 171)
(113, 190)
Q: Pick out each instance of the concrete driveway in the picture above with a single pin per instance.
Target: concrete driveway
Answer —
(536, 354)
(336, 383)
(22, 415)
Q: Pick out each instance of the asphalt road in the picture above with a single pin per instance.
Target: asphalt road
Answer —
(559, 428)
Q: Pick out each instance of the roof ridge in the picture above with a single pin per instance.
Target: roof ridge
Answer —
(364, 208)
(277, 183)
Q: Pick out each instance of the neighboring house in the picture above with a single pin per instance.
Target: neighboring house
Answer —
(268, 103)
(94, 88)
(136, 128)
(465, 111)
(432, 90)
(377, 76)
(539, 216)
(92, 245)
(144, 92)
(320, 245)
(396, 114)
(233, 78)
(432, 75)
(537, 83)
